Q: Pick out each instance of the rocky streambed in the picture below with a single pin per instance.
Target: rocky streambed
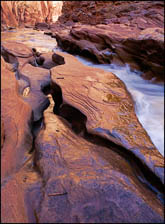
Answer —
(73, 149)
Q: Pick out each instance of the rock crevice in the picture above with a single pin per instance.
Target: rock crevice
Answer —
(74, 167)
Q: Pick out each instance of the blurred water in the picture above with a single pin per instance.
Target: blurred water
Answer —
(31, 38)
(148, 97)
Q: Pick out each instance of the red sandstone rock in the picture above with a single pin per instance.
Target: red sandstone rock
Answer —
(18, 139)
(134, 13)
(20, 13)
(87, 183)
(76, 178)
(18, 177)
(117, 43)
(109, 114)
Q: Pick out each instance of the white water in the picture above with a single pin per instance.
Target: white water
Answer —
(148, 97)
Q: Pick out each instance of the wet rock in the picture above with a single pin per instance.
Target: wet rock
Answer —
(117, 43)
(87, 183)
(110, 115)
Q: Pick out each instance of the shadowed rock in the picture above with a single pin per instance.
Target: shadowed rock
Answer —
(81, 166)
(104, 100)
(87, 183)
(51, 60)
(117, 43)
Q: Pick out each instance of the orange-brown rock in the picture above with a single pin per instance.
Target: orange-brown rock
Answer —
(117, 43)
(110, 115)
(18, 139)
(79, 169)
(85, 182)
(20, 13)
(2, 133)
(20, 183)
(17, 142)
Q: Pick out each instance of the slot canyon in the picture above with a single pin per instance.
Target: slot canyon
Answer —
(82, 111)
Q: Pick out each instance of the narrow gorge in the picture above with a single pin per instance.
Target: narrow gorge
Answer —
(82, 98)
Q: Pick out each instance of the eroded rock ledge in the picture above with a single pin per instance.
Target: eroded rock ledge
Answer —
(69, 163)
(119, 44)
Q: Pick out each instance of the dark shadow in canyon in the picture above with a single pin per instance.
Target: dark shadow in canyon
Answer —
(78, 121)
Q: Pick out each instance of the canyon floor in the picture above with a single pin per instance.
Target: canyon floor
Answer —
(72, 147)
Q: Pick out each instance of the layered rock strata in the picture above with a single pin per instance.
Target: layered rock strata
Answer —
(28, 13)
(119, 44)
(88, 183)
(115, 32)
(85, 158)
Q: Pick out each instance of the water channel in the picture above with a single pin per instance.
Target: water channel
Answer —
(148, 97)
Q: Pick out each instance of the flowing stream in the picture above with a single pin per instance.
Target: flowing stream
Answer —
(148, 97)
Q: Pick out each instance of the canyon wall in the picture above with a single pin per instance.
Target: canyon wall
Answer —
(139, 14)
(18, 13)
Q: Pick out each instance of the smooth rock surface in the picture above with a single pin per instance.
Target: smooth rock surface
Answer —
(17, 175)
(18, 139)
(117, 43)
(87, 183)
(110, 114)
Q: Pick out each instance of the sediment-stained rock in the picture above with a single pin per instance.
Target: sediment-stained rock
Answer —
(117, 43)
(85, 182)
(102, 99)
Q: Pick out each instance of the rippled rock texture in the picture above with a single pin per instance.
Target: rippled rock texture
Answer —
(85, 158)
(88, 183)
(105, 108)
(27, 13)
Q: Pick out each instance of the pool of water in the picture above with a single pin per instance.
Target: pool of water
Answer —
(148, 97)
